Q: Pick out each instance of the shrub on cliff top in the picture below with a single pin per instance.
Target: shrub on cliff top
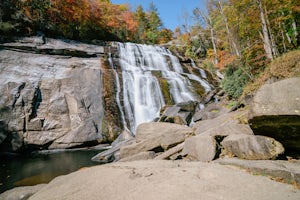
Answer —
(234, 81)
(285, 66)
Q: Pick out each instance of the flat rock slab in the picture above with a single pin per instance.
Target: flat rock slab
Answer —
(164, 180)
(21, 193)
(140, 156)
(223, 125)
(288, 171)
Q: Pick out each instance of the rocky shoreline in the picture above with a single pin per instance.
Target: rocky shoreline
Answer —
(200, 163)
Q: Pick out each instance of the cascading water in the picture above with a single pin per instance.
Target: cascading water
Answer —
(142, 94)
(118, 90)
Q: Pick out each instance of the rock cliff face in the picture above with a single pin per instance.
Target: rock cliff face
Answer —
(49, 101)
(64, 94)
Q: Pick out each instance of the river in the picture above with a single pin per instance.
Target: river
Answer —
(32, 169)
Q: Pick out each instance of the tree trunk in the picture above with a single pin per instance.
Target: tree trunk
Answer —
(283, 38)
(231, 40)
(266, 38)
(273, 43)
(294, 25)
(212, 35)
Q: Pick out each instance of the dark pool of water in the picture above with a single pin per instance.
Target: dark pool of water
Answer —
(31, 169)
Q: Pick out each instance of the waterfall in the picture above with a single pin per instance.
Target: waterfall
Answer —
(142, 66)
(118, 90)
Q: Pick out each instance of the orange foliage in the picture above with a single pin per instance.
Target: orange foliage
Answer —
(224, 59)
(128, 19)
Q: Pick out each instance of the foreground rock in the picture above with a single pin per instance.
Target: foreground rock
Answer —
(21, 193)
(285, 171)
(156, 135)
(164, 180)
(224, 125)
(275, 112)
(211, 111)
(252, 147)
(200, 148)
(113, 154)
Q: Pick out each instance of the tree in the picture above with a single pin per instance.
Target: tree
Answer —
(265, 33)
(199, 15)
(142, 22)
(230, 36)
(154, 24)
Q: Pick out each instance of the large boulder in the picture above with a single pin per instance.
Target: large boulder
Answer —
(275, 112)
(224, 125)
(200, 148)
(167, 133)
(252, 147)
(180, 113)
(153, 135)
(211, 111)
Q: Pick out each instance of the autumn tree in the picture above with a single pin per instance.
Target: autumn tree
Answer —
(154, 24)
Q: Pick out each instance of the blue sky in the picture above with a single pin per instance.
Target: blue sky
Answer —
(170, 11)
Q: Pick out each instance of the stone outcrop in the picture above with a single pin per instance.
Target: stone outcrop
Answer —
(252, 147)
(42, 45)
(275, 112)
(50, 101)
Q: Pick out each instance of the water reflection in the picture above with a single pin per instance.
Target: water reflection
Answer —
(32, 170)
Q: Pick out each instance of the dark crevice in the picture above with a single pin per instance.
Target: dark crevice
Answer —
(219, 139)
(85, 144)
(158, 149)
(96, 127)
(36, 101)
(17, 95)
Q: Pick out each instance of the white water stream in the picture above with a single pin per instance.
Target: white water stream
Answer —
(142, 95)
